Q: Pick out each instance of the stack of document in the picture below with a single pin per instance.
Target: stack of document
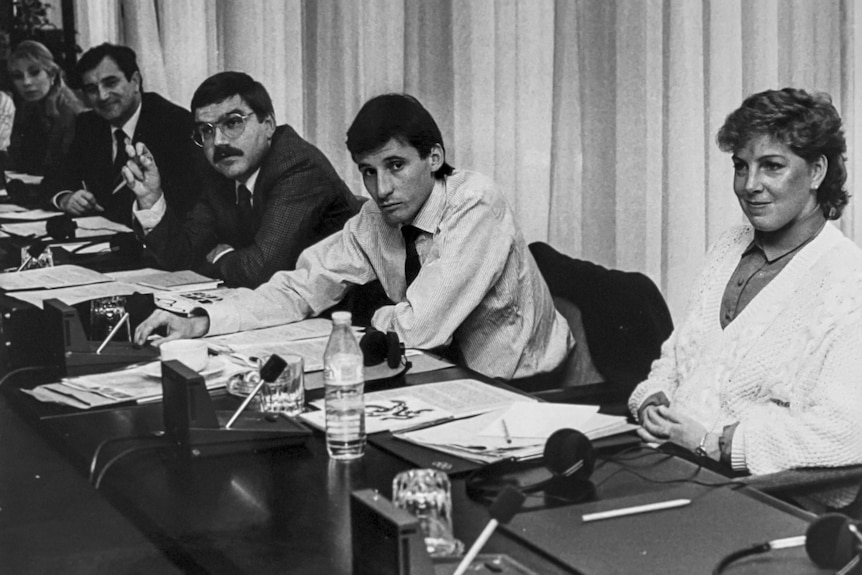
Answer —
(474, 420)
(140, 383)
(517, 431)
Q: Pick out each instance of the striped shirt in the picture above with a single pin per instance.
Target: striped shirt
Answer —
(478, 287)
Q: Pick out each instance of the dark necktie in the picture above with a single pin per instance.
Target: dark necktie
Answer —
(411, 261)
(245, 212)
(121, 158)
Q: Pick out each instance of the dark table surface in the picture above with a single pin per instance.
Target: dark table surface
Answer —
(283, 511)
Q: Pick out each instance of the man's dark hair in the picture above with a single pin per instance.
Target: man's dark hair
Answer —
(125, 57)
(397, 116)
(219, 87)
(806, 123)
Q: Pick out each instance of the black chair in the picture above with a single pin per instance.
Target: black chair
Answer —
(623, 318)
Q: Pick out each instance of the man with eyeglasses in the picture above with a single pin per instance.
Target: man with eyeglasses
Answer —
(269, 195)
(443, 244)
(90, 181)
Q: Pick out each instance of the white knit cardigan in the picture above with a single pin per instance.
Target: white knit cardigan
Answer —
(788, 368)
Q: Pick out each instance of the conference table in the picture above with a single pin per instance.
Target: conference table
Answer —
(288, 510)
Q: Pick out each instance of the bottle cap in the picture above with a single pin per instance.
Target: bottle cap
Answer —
(341, 317)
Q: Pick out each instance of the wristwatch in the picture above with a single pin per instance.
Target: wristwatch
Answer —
(700, 450)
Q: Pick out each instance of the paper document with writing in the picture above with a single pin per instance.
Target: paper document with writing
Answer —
(518, 430)
(50, 278)
(77, 294)
(420, 405)
(184, 280)
(140, 383)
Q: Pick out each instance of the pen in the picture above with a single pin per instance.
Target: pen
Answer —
(425, 424)
(635, 510)
(506, 431)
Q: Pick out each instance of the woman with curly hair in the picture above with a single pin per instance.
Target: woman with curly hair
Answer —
(45, 115)
(765, 371)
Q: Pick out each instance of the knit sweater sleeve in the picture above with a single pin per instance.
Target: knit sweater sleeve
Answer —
(822, 425)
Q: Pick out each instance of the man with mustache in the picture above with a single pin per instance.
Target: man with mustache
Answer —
(89, 180)
(268, 195)
(442, 242)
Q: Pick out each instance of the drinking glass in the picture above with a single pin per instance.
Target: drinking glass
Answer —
(287, 393)
(105, 314)
(426, 493)
(45, 259)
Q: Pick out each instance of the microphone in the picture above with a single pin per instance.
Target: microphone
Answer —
(61, 227)
(268, 373)
(831, 542)
(504, 507)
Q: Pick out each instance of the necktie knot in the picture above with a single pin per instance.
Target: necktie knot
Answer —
(410, 234)
(243, 196)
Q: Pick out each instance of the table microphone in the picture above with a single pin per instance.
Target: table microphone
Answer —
(503, 508)
(831, 542)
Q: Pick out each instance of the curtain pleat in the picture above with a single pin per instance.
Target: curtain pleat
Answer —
(597, 118)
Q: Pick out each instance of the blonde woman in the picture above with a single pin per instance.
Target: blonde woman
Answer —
(45, 115)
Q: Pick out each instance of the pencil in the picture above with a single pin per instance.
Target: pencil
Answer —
(506, 431)
(635, 510)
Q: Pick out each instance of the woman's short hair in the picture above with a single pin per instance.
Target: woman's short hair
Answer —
(806, 123)
(395, 116)
(37, 52)
(219, 87)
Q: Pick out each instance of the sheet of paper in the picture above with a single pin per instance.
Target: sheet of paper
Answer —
(463, 438)
(30, 215)
(392, 414)
(50, 278)
(77, 294)
(311, 350)
(184, 280)
(541, 419)
(40, 229)
(7, 208)
(140, 383)
(460, 397)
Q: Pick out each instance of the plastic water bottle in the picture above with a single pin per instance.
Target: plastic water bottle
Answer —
(344, 386)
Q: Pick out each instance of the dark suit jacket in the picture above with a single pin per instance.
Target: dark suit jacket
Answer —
(166, 130)
(298, 200)
(624, 314)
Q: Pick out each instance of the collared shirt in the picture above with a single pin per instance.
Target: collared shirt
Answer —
(150, 218)
(128, 129)
(761, 263)
(478, 286)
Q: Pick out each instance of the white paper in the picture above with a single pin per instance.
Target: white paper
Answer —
(140, 383)
(540, 420)
(49, 278)
(389, 415)
(77, 294)
(30, 215)
(26, 178)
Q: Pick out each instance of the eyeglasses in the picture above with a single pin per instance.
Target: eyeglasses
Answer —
(232, 126)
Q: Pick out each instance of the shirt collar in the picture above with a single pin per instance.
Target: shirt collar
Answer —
(431, 213)
(797, 237)
(132, 123)
(249, 183)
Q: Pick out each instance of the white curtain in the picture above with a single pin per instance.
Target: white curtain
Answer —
(597, 118)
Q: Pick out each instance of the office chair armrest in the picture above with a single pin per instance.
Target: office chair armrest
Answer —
(795, 482)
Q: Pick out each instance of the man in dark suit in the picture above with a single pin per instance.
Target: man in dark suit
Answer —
(269, 195)
(89, 180)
